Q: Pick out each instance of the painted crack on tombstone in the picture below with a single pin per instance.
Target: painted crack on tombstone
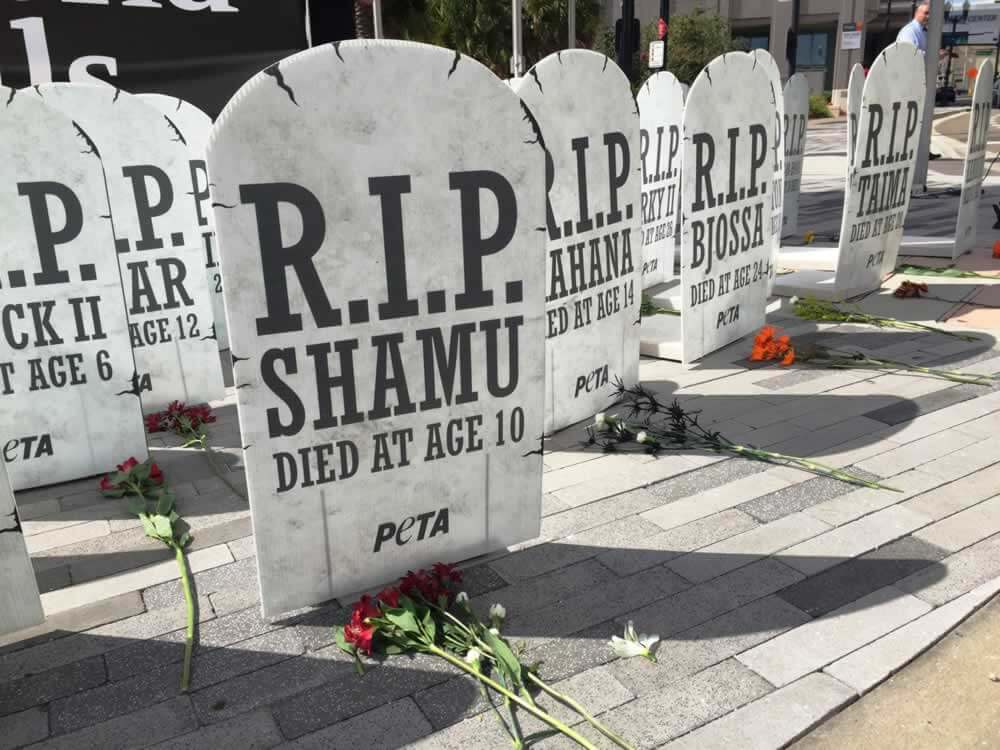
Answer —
(534, 74)
(16, 528)
(118, 92)
(605, 63)
(38, 91)
(454, 64)
(180, 135)
(336, 48)
(539, 451)
(87, 139)
(223, 205)
(136, 388)
(238, 359)
(275, 72)
(10, 98)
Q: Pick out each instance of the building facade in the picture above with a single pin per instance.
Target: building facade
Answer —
(825, 52)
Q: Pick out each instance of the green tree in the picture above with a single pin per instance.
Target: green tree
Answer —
(695, 40)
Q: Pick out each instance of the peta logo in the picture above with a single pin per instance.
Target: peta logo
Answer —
(591, 381)
(30, 446)
(405, 532)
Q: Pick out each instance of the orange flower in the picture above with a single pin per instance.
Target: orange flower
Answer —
(757, 354)
(766, 334)
(996, 249)
(785, 340)
(789, 357)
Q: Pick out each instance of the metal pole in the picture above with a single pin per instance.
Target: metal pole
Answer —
(627, 40)
(665, 17)
(571, 19)
(792, 43)
(377, 14)
(517, 61)
(934, 27)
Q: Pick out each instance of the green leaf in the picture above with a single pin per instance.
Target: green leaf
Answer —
(185, 540)
(135, 504)
(951, 273)
(140, 472)
(148, 526)
(404, 620)
(163, 527)
(427, 621)
(506, 660)
(165, 503)
(392, 649)
(341, 640)
(534, 737)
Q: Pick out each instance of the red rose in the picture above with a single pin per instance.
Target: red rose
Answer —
(175, 407)
(128, 465)
(153, 423)
(447, 574)
(106, 485)
(155, 475)
(364, 608)
(410, 583)
(360, 635)
(389, 597)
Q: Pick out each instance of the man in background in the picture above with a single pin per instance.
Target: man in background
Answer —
(915, 32)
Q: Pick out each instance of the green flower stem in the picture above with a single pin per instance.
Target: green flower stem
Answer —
(189, 601)
(813, 466)
(563, 698)
(533, 710)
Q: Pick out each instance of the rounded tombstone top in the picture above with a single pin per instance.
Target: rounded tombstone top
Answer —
(192, 121)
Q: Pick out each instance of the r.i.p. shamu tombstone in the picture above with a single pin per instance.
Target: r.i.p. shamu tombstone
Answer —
(383, 266)
(582, 105)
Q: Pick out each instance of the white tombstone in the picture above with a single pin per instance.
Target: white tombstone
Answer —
(67, 409)
(878, 193)
(147, 172)
(583, 106)
(20, 604)
(763, 58)
(964, 238)
(382, 257)
(855, 90)
(196, 127)
(728, 231)
(796, 98)
(661, 107)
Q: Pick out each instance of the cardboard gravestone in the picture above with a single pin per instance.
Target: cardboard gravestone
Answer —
(661, 107)
(66, 406)
(727, 185)
(855, 90)
(20, 604)
(796, 98)
(972, 179)
(878, 191)
(196, 127)
(763, 59)
(382, 258)
(157, 237)
(587, 118)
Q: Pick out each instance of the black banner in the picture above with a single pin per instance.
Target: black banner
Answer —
(199, 50)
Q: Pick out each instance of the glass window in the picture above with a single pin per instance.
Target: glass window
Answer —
(812, 49)
(752, 41)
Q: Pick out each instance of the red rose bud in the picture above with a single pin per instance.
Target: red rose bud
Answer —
(106, 484)
(389, 597)
(153, 422)
(155, 475)
(128, 465)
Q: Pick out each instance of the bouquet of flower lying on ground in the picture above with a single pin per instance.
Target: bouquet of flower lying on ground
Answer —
(152, 500)
(184, 420)
(814, 309)
(767, 346)
(653, 426)
(426, 613)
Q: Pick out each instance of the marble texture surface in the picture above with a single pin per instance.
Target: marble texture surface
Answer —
(661, 108)
(764, 60)
(196, 127)
(975, 158)
(728, 230)
(397, 206)
(147, 171)
(20, 604)
(65, 357)
(583, 106)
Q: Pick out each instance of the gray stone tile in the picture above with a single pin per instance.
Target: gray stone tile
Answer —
(596, 605)
(316, 628)
(238, 576)
(145, 655)
(783, 502)
(253, 731)
(139, 729)
(794, 377)
(242, 548)
(542, 558)
(700, 603)
(598, 513)
(957, 573)
(854, 579)
(709, 477)
(52, 579)
(125, 696)
(72, 621)
(271, 684)
(906, 410)
(666, 545)
(124, 633)
(700, 647)
(656, 718)
(387, 727)
(481, 579)
(348, 695)
(552, 586)
(35, 690)
(24, 728)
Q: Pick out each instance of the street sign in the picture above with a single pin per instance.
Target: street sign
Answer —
(656, 50)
